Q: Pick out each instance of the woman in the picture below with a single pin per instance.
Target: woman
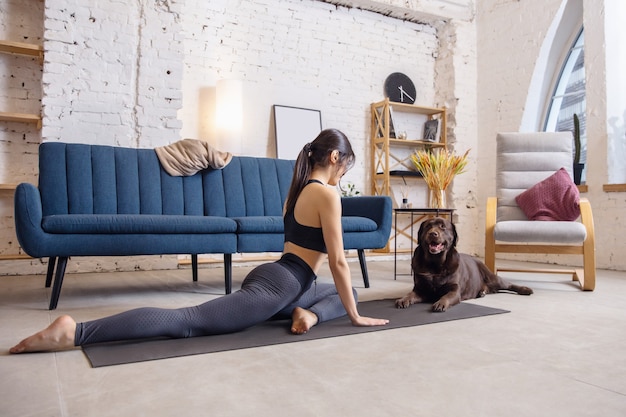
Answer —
(312, 217)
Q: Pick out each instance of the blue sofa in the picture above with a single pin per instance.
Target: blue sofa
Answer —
(96, 200)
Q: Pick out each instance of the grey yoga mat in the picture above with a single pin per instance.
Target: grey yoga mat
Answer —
(277, 332)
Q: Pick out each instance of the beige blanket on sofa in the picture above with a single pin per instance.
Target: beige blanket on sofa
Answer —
(188, 156)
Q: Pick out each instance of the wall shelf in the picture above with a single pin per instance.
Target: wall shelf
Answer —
(15, 257)
(26, 49)
(614, 188)
(21, 48)
(21, 117)
(8, 187)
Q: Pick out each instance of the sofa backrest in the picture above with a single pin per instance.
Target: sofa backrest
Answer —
(98, 179)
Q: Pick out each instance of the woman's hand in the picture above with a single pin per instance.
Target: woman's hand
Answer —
(368, 321)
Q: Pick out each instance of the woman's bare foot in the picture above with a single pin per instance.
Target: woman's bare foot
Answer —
(58, 336)
(302, 320)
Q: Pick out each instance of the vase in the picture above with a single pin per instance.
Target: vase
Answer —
(437, 198)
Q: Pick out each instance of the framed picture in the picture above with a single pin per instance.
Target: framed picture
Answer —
(294, 127)
(431, 130)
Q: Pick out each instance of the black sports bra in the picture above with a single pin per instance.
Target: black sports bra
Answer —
(301, 235)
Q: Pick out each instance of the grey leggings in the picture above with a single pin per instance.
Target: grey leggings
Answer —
(270, 290)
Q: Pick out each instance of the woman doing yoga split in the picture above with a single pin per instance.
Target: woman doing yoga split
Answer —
(312, 217)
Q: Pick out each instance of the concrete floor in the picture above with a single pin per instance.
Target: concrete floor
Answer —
(560, 352)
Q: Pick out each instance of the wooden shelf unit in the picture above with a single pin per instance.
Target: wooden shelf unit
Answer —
(386, 161)
(30, 50)
(26, 49)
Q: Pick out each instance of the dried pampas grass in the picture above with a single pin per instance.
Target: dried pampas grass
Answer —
(439, 167)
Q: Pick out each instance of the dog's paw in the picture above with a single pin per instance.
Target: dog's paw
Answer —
(440, 306)
(407, 300)
(403, 302)
(525, 291)
(520, 289)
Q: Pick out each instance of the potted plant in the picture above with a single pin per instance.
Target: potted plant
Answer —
(578, 167)
(349, 191)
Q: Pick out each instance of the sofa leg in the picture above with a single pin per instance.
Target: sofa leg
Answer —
(366, 279)
(228, 272)
(58, 281)
(51, 262)
(194, 267)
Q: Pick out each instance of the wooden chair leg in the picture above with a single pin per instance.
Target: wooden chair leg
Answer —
(589, 281)
(589, 247)
(490, 259)
(490, 242)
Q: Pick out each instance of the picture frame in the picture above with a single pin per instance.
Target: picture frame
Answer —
(431, 130)
(294, 127)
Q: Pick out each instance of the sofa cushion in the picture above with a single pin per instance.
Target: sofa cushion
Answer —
(358, 224)
(563, 233)
(259, 224)
(136, 223)
(555, 198)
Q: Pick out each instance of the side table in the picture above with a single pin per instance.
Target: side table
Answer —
(417, 215)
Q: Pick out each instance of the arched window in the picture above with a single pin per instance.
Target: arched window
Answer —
(568, 98)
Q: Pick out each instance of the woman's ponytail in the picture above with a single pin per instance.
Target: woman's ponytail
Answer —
(316, 153)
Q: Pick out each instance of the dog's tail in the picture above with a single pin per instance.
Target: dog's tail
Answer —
(496, 283)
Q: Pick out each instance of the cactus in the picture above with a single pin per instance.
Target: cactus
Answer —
(576, 139)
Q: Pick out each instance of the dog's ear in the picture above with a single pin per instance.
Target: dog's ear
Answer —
(421, 230)
(455, 236)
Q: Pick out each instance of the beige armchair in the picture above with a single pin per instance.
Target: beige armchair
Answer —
(523, 160)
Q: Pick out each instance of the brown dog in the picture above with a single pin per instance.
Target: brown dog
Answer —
(445, 277)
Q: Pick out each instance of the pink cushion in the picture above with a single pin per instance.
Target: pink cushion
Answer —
(555, 198)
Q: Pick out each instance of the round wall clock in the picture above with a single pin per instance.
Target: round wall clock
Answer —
(400, 88)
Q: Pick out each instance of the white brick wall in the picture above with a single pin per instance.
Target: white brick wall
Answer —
(299, 53)
(112, 73)
(144, 73)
